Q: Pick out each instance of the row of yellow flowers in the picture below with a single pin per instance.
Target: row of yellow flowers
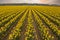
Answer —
(30, 31)
(3, 21)
(4, 28)
(56, 21)
(52, 26)
(44, 31)
(16, 32)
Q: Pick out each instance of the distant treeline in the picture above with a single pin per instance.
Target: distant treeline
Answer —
(21, 4)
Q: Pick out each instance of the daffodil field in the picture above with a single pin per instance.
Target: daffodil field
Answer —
(29, 23)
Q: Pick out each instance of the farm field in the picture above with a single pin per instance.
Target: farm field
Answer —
(29, 23)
